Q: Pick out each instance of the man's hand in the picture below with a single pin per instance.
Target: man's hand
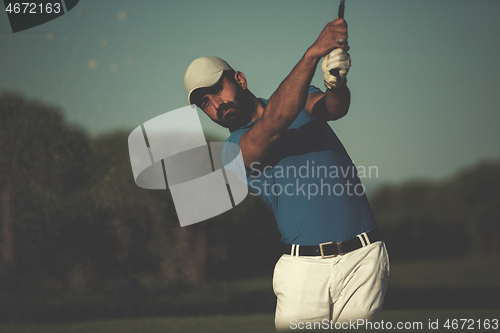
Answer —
(338, 63)
(327, 40)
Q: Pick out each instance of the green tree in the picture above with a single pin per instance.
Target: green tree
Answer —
(145, 240)
(470, 198)
(42, 166)
(453, 215)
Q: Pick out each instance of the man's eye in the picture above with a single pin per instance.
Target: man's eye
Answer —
(203, 103)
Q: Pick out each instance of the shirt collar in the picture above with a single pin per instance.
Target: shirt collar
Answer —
(250, 124)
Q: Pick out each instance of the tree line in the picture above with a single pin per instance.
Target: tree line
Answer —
(72, 217)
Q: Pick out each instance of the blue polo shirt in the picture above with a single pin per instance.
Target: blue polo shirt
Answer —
(310, 183)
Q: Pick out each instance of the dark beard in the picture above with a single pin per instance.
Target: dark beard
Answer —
(241, 113)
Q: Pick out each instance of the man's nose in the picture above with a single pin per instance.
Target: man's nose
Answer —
(216, 101)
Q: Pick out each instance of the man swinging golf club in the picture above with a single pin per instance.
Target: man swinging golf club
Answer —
(334, 266)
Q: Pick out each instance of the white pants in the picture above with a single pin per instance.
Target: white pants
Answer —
(349, 286)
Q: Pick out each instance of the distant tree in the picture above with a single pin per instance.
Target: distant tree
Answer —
(412, 228)
(144, 238)
(451, 216)
(42, 165)
(394, 204)
(471, 198)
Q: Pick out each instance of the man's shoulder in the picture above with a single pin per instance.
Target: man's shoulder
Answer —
(236, 135)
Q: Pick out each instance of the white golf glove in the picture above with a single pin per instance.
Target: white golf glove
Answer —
(339, 61)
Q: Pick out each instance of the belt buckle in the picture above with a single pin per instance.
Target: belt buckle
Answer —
(321, 250)
(339, 248)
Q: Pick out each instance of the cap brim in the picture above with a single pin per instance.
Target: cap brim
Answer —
(206, 82)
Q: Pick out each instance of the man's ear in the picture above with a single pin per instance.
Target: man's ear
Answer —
(241, 79)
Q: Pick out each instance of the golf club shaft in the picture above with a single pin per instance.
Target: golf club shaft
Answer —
(340, 15)
(341, 9)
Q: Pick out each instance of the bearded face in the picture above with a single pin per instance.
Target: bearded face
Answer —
(237, 113)
(226, 103)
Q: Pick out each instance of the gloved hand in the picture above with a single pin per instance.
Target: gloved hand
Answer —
(339, 62)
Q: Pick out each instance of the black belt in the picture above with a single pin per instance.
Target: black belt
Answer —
(332, 249)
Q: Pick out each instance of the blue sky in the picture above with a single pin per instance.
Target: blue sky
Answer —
(424, 78)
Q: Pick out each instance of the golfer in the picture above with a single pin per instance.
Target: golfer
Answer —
(334, 266)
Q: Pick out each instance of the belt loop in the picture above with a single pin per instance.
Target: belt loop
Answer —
(367, 239)
(297, 250)
(292, 253)
(363, 243)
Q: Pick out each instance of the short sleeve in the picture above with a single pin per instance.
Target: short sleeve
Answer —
(229, 154)
(314, 89)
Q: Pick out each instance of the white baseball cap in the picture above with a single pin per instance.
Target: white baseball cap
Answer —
(204, 72)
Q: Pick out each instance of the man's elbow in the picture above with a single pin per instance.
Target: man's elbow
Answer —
(337, 102)
(339, 113)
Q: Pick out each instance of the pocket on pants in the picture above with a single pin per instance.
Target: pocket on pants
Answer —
(277, 276)
(387, 262)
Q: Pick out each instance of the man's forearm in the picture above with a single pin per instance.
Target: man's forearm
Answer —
(337, 102)
(290, 97)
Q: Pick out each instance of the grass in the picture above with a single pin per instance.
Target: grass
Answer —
(453, 273)
(247, 305)
(260, 323)
(465, 272)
